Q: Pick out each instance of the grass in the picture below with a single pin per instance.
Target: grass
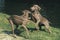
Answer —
(34, 35)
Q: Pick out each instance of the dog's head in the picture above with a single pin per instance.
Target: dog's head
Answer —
(35, 7)
(26, 11)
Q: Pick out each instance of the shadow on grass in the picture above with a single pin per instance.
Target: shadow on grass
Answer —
(34, 29)
(17, 32)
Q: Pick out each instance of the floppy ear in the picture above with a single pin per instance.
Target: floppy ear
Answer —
(38, 7)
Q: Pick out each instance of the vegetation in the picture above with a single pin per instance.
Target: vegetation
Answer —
(34, 35)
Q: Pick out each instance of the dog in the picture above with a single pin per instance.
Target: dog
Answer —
(39, 18)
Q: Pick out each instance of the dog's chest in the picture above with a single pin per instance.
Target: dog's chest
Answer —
(37, 16)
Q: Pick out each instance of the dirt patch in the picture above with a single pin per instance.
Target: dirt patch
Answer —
(9, 37)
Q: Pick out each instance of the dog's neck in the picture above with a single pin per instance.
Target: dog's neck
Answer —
(36, 11)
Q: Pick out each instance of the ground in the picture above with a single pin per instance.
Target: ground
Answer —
(5, 31)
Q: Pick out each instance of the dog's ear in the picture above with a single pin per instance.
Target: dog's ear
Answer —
(38, 7)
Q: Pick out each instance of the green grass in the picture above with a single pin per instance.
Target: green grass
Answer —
(35, 35)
